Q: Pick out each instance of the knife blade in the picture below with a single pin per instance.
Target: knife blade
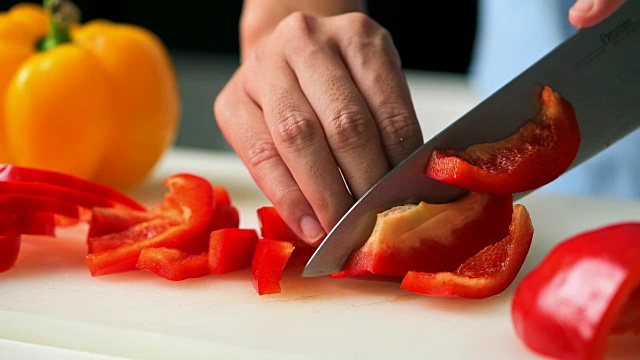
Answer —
(597, 70)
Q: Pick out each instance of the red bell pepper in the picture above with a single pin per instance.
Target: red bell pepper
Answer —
(35, 223)
(535, 155)
(269, 260)
(191, 197)
(487, 273)
(173, 264)
(53, 178)
(105, 220)
(272, 226)
(583, 290)
(231, 249)
(430, 238)
(225, 214)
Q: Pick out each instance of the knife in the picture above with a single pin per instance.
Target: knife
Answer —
(597, 70)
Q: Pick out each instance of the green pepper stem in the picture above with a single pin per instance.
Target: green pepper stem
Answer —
(61, 14)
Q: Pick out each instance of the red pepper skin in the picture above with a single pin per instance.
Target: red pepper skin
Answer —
(32, 175)
(37, 223)
(430, 238)
(269, 260)
(13, 204)
(192, 197)
(138, 232)
(107, 220)
(538, 153)
(567, 306)
(231, 249)
(272, 226)
(9, 249)
(487, 273)
(173, 264)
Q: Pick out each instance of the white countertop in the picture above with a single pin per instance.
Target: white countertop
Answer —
(52, 308)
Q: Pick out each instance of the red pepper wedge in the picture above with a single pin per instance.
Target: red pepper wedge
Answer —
(189, 195)
(535, 155)
(586, 287)
(487, 273)
(231, 249)
(429, 237)
(268, 263)
(173, 264)
(53, 178)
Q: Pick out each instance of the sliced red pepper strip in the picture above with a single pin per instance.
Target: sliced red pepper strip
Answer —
(487, 273)
(587, 287)
(269, 260)
(9, 249)
(231, 249)
(138, 232)
(12, 204)
(534, 156)
(173, 264)
(106, 220)
(192, 196)
(36, 223)
(79, 198)
(25, 174)
(430, 238)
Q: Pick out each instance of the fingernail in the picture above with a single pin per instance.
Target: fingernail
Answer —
(582, 6)
(312, 230)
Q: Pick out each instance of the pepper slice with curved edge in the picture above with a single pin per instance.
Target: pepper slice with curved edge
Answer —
(584, 289)
(269, 260)
(53, 178)
(535, 155)
(173, 264)
(430, 237)
(9, 249)
(487, 273)
(14, 204)
(190, 196)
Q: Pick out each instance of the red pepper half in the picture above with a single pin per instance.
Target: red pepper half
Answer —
(535, 155)
(585, 288)
(430, 238)
(191, 197)
(487, 273)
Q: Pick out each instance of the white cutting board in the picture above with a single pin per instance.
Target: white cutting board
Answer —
(50, 305)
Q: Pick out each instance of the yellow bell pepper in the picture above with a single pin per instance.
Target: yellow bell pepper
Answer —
(98, 100)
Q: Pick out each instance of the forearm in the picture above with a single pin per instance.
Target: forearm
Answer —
(260, 17)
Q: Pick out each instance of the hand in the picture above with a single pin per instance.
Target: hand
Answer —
(585, 13)
(319, 99)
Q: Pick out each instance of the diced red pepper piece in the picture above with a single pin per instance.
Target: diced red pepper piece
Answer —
(272, 226)
(487, 273)
(535, 155)
(231, 249)
(9, 249)
(221, 195)
(225, 216)
(586, 288)
(269, 261)
(429, 237)
(173, 264)
(189, 195)
(33, 175)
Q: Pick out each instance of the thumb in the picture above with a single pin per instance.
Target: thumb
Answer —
(585, 13)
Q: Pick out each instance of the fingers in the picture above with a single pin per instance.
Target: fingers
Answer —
(374, 64)
(241, 122)
(585, 13)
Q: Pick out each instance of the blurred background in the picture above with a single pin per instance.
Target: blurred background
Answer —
(202, 37)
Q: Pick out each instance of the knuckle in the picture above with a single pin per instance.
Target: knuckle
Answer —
(294, 129)
(261, 154)
(399, 128)
(347, 126)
